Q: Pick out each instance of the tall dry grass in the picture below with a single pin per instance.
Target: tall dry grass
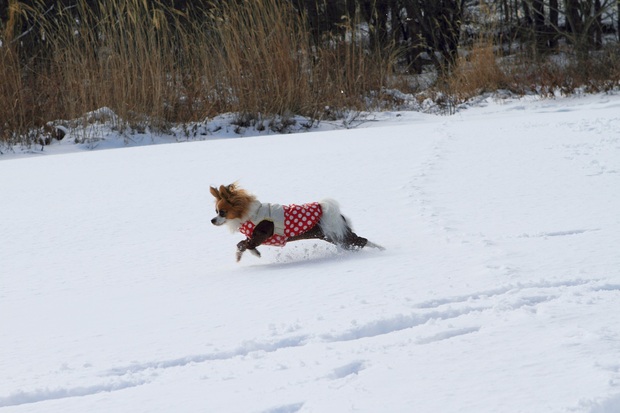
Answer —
(153, 65)
(118, 54)
(270, 64)
(263, 54)
(476, 72)
(17, 105)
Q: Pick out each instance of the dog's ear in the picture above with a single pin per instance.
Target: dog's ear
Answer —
(215, 193)
(224, 193)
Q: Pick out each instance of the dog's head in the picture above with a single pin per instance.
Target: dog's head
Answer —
(231, 203)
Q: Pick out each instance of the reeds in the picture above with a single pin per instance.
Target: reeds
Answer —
(154, 65)
(476, 72)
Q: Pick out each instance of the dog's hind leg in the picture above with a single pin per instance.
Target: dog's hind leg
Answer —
(337, 229)
(350, 241)
(354, 241)
(373, 245)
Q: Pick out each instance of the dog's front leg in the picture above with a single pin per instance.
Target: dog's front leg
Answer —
(245, 245)
(261, 233)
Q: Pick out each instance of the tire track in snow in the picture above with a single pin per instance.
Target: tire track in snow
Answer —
(243, 350)
(355, 367)
(514, 288)
(372, 329)
(398, 323)
(441, 312)
(40, 395)
(287, 408)
(513, 297)
(517, 296)
(446, 335)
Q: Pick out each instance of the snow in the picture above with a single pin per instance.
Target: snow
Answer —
(499, 290)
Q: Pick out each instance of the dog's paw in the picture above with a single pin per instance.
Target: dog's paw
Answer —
(242, 248)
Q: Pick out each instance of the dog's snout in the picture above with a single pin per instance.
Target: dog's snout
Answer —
(213, 221)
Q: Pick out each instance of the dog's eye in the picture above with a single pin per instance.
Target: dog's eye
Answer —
(222, 213)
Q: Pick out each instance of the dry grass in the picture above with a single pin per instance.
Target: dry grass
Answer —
(480, 71)
(264, 58)
(152, 65)
(12, 109)
(565, 73)
(476, 72)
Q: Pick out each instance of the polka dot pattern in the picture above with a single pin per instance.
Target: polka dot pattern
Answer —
(297, 220)
(247, 228)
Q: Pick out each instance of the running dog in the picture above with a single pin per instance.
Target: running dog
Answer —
(274, 224)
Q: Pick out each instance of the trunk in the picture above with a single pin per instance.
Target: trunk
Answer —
(438, 25)
(506, 21)
(526, 13)
(553, 22)
(379, 37)
(506, 10)
(573, 18)
(540, 35)
(598, 24)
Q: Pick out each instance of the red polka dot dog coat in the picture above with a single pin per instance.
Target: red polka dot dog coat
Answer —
(289, 221)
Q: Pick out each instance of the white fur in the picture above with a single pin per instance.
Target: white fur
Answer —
(333, 223)
(234, 224)
(218, 220)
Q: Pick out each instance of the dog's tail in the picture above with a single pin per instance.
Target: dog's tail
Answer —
(333, 223)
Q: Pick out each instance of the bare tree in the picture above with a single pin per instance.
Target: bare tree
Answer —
(436, 26)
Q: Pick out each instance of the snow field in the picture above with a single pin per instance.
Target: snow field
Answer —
(498, 291)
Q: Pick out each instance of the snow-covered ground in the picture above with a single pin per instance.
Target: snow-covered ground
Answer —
(499, 290)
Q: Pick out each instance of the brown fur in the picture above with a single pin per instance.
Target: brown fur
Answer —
(232, 199)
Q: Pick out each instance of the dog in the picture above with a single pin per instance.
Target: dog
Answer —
(274, 224)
